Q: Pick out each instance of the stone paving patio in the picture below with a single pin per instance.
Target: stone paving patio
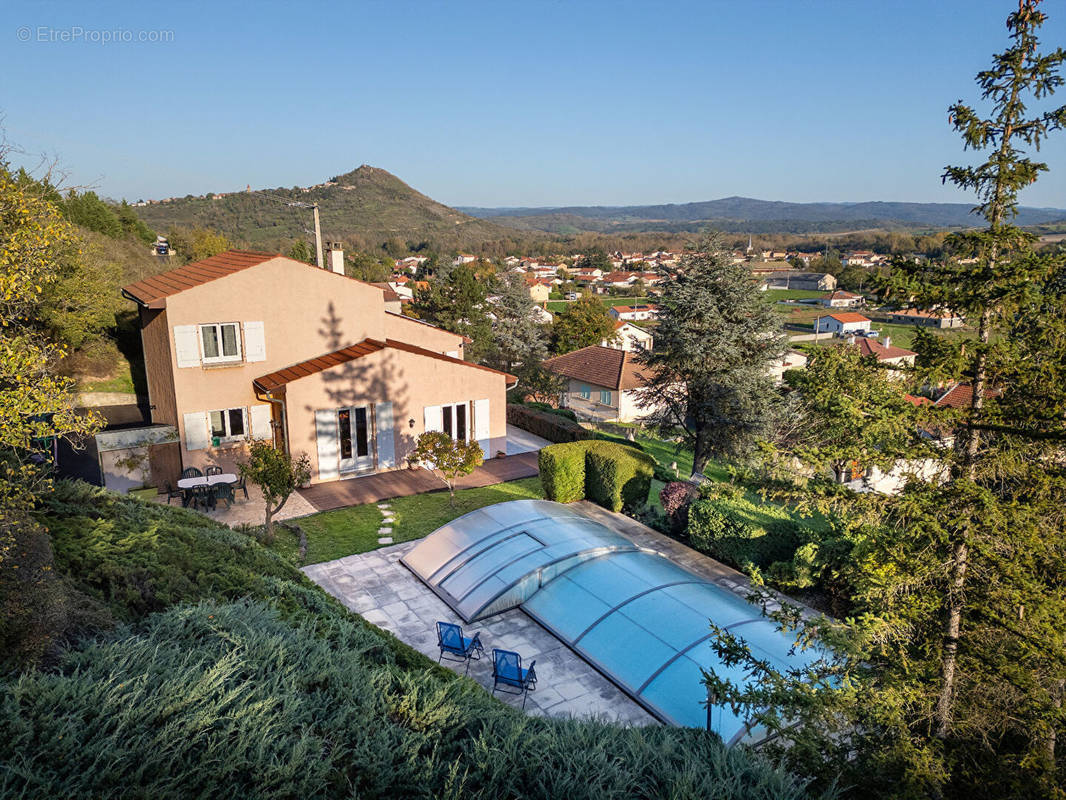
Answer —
(379, 588)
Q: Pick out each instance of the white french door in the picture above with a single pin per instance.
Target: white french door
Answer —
(355, 439)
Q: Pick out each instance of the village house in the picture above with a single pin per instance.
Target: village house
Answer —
(601, 383)
(841, 299)
(842, 323)
(931, 319)
(635, 312)
(796, 279)
(539, 290)
(885, 352)
(792, 359)
(248, 344)
(630, 338)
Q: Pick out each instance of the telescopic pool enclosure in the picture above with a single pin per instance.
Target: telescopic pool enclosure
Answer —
(637, 617)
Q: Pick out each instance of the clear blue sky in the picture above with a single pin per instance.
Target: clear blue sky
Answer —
(513, 103)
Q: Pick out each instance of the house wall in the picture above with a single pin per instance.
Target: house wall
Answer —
(592, 407)
(629, 410)
(325, 313)
(407, 380)
(158, 366)
(423, 335)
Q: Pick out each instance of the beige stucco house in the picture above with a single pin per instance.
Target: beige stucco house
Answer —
(247, 344)
(601, 383)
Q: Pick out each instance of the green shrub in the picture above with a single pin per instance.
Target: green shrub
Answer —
(553, 427)
(723, 528)
(613, 475)
(562, 471)
(617, 477)
(233, 700)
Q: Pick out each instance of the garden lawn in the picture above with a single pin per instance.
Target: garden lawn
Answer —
(335, 534)
(792, 294)
(555, 306)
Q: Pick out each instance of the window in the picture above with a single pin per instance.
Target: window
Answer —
(227, 425)
(454, 421)
(584, 392)
(221, 342)
(605, 396)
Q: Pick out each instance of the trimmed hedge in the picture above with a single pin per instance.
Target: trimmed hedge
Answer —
(553, 427)
(716, 526)
(613, 475)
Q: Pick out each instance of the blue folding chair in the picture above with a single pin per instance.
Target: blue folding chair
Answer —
(507, 672)
(453, 644)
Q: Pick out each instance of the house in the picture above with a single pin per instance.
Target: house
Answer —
(795, 279)
(464, 258)
(841, 299)
(392, 298)
(248, 344)
(842, 323)
(932, 319)
(601, 383)
(539, 290)
(792, 359)
(620, 280)
(630, 338)
(885, 352)
(636, 312)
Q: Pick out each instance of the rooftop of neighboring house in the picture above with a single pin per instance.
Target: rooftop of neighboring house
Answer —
(840, 294)
(848, 316)
(600, 366)
(916, 312)
(960, 395)
(636, 307)
(882, 352)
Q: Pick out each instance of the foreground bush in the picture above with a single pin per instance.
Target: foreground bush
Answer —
(283, 693)
(613, 475)
(232, 700)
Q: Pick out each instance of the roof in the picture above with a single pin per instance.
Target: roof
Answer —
(390, 293)
(917, 400)
(153, 291)
(916, 312)
(635, 308)
(841, 294)
(466, 339)
(848, 316)
(282, 377)
(602, 366)
(871, 347)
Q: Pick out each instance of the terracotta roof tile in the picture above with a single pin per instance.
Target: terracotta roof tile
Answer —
(848, 316)
(872, 347)
(602, 366)
(275, 380)
(154, 290)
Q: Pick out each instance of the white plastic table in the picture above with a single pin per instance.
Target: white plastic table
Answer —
(206, 480)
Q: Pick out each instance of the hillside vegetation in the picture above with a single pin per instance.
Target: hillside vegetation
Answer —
(364, 208)
(229, 673)
(747, 215)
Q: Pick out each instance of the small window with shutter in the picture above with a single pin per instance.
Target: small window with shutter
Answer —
(220, 342)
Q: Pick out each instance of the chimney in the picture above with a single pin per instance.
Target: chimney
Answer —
(335, 257)
(851, 339)
(888, 341)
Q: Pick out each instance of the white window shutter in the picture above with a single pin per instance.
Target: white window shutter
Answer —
(482, 426)
(261, 427)
(386, 435)
(328, 435)
(434, 418)
(196, 434)
(254, 342)
(187, 345)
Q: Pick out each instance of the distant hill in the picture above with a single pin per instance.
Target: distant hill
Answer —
(746, 215)
(362, 208)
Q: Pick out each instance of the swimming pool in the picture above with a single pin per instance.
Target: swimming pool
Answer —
(636, 616)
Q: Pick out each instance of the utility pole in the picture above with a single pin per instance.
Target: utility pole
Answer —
(319, 259)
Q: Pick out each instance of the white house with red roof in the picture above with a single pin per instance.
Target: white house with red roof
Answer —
(841, 299)
(842, 323)
(635, 312)
(630, 338)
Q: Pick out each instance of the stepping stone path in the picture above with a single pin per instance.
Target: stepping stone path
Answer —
(387, 519)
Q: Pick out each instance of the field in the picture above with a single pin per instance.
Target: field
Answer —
(792, 294)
